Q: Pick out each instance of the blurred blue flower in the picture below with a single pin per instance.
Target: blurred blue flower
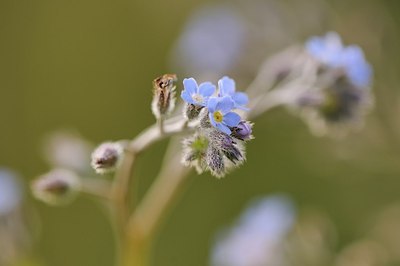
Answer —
(10, 192)
(326, 49)
(220, 113)
(330, 51)
(195, 94)
(357, 68)
(258, 236)
(227, 87)
(211, 41)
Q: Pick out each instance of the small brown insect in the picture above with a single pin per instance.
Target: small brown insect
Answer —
(164, 94)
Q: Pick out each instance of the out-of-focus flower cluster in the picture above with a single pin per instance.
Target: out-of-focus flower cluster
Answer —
(218, 143)
(271, 232)
(324, 82)
(340, 94)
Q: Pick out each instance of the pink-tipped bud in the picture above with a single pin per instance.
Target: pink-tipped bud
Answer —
(106, 157)
(57, 187)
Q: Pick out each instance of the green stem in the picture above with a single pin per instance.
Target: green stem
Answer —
(135, 252)
(152, 210)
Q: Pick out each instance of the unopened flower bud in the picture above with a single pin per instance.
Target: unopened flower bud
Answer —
(215, 161)
(194, 150)
(227, 146)
(57, 187)
(243, 130)
(164, 95)
(106, 157)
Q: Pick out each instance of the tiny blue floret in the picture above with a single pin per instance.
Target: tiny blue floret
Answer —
(220, 113)
(227, 87)
(197, 94)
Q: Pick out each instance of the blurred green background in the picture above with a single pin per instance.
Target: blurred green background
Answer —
(88, 66)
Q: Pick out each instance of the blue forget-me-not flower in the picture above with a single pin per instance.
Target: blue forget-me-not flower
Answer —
(220, 114)
(227, 87)
(197, 94)
(330, 51)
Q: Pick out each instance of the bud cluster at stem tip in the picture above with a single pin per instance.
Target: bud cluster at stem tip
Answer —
(340, 95)
(218, 143)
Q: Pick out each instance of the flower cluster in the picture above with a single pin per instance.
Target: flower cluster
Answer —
(341, 93)
(218, 143)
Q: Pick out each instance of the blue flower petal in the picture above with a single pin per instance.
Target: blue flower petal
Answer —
(315, 46)
(224, 128)
(206, 89)
(210, 115)
(327, 49)
(226, 86)
(358, 69)
(187, 97)
(361, 76)
(212, 104)
(225, 104)
(190, 85)
(240, 98)
(231, 119)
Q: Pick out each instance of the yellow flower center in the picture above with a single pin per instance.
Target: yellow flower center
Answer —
(218, 116)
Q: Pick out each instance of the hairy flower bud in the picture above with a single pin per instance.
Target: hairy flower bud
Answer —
(106, 157)
(194, 150)
(215, 161)
(227, 146)
(57, 187)
(164, 95)
(243, 130)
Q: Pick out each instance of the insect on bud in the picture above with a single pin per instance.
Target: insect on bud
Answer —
(106, 157)
(164, 95)
(57, 187)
